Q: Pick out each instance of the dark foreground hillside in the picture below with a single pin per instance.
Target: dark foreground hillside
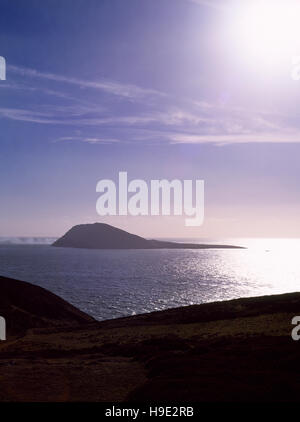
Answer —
(239, 350)
(24, 306)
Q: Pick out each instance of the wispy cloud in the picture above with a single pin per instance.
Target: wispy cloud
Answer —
(221, 140)
(88, 140)
(111, 87)
(165, 119)
(214, 4)
(174, 126)
(27, 116)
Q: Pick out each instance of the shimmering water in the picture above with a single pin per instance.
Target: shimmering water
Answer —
(114, 283)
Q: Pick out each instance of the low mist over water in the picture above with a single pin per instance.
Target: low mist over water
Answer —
(26, 240)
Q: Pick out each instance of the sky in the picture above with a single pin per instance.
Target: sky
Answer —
(162, 89)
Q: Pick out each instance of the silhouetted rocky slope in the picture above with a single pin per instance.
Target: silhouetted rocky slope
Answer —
(24, 306)
(104, 236)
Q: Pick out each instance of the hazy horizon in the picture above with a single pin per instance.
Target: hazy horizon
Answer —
(212, 238)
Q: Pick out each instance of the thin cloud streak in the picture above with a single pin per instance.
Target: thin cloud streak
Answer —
(223, 140)
(173, 126)
(213, 4)
(112, 87)
(88, 140)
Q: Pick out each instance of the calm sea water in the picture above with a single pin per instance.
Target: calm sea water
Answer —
(113, 283)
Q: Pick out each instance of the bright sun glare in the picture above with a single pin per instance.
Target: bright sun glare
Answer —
(267, 30)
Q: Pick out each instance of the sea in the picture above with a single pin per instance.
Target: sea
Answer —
(115, 283)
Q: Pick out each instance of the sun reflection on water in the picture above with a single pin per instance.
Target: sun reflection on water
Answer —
(267, 266)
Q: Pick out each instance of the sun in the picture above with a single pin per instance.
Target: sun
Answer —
(266, 30)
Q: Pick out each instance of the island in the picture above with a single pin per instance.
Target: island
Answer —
(104, 236)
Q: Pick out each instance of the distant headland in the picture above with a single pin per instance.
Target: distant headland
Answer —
(104, 236)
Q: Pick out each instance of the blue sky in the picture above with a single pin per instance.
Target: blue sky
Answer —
(156, 88)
